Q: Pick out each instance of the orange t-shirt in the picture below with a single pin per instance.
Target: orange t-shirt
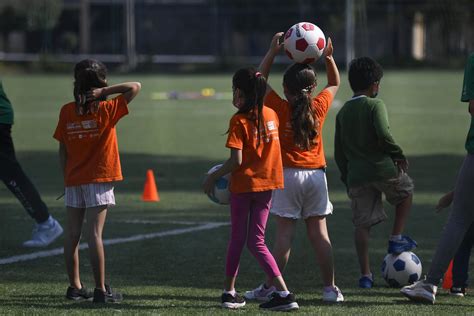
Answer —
(91, 142)
(261, 167)
(293, 156)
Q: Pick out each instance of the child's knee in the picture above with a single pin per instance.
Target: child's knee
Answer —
(73, 234)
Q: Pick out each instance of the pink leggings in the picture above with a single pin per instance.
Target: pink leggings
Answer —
(249, 214)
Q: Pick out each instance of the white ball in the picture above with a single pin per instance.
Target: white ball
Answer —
(304, 42)
(220, 194)
(402, 269)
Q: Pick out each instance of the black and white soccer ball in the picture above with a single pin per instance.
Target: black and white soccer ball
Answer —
(401, 269)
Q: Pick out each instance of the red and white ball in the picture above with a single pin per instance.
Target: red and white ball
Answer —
(304, 43)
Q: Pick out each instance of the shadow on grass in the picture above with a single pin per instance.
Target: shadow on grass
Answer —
(185, 173)
(162, 302)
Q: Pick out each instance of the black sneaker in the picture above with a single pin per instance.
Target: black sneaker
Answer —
(79, 294)
(108, 296)
(457, 291)
(233, 302)
(278, 303)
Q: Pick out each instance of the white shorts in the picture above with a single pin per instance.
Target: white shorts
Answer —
(90, 195)
(305, 194)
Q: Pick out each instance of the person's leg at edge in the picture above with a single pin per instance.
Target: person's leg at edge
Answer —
(361, 239)
(459, 221)
(461, 260)
(239, 209)
(17, 181)
(95, 224)
(259, 211)
(318, 235)
(75, 218)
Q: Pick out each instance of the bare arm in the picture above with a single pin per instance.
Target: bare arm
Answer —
(267, 61)
(230, 165)
(129, 90)
(334, 80)
(62, 157)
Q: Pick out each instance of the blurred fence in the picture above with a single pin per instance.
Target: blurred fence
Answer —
(223, 33)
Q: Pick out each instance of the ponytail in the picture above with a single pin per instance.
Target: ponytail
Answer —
(300, 81)
(303, 121)
(253, 85)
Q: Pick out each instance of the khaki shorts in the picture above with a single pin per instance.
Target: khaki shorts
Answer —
(366, 200)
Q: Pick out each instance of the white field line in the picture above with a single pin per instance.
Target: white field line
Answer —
(112, 241)
(146, 221)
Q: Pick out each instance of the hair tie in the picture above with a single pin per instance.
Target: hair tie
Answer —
(308, 89)
(258, 74)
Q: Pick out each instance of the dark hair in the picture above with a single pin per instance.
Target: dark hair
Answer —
(299, 80)
(363, 72)
(253, 86)
(88, 74)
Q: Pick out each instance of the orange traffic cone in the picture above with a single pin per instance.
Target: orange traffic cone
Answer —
(150, 192)
(448, 277)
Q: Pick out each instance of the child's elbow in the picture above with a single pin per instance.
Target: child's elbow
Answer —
(137, 87)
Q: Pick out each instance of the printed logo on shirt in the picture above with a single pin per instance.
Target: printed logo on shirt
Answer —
(89, 124)
(269, 133)
(73, 126)
(82, 130)
(271, 125)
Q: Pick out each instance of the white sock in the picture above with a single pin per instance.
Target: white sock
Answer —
(368, 275)
(395, 237)
(231, 292)
(329, 288)
(283, 293)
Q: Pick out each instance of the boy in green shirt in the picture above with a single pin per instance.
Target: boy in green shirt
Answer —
(47, 229)
(371, 163)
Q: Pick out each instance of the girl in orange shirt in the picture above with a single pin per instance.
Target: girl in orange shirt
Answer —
(305, 194)
(89, 157)
(256, 170)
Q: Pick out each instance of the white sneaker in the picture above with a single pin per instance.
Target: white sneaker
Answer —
(420, 292)
(333, 296)
(44, 233)
(260, 293)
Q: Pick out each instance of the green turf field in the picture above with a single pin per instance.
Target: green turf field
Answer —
(181, 271)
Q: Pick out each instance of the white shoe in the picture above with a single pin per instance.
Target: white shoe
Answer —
(44, 233)
(420, 292)
(333, 296)
(260, 293)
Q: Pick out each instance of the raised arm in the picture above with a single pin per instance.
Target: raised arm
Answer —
(129, 90)
(334, 80)
(267, 61)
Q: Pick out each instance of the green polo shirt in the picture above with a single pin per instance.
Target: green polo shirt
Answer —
(467, 95)
(6, 110)
(364, 147)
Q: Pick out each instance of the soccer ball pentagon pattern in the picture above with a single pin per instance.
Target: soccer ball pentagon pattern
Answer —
(221, 194)
(304, 43)
(402, 269)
